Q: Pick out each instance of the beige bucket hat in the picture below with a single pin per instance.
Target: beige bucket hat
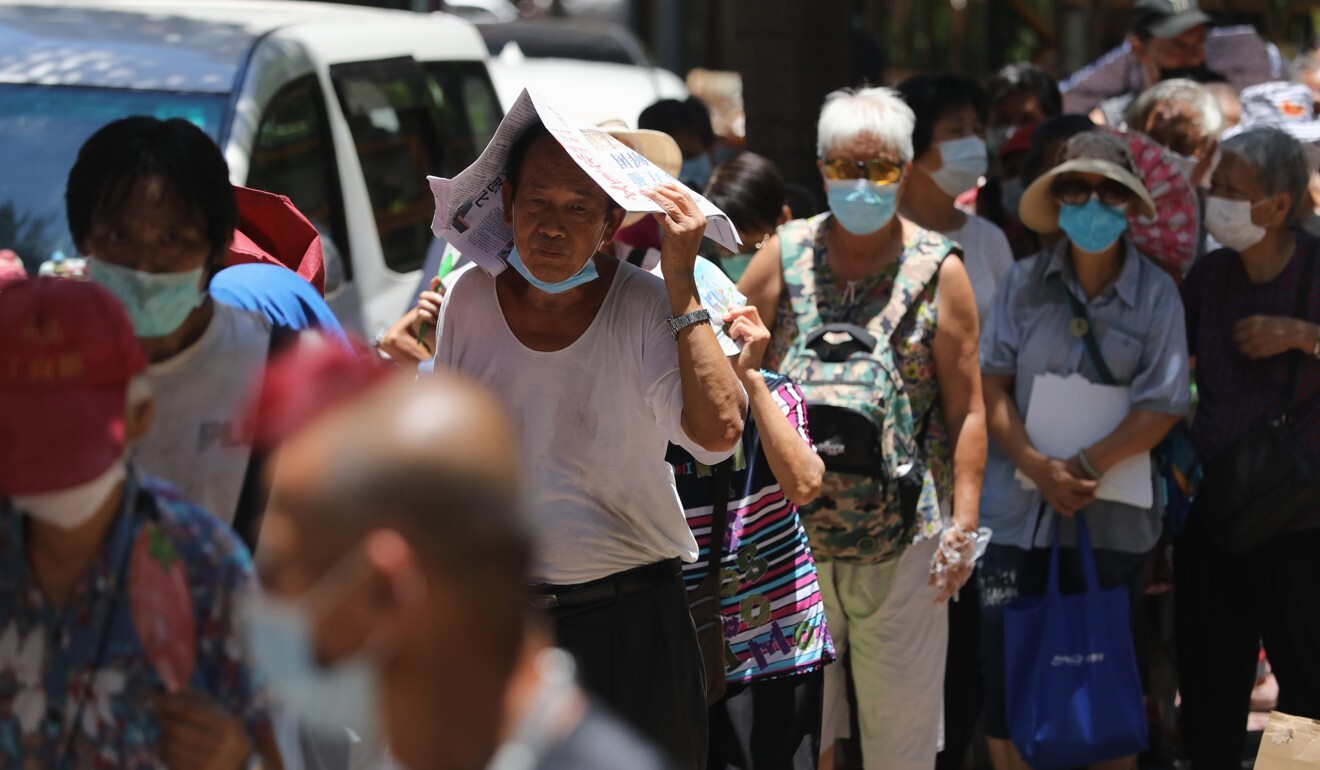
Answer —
(1092, 152)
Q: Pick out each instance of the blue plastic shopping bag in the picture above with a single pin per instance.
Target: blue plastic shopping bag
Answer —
(1072, 685)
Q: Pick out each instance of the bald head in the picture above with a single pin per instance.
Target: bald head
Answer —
(395, 522)
(435, 459)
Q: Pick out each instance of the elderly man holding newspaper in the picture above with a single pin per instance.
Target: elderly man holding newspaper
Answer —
(602, 364)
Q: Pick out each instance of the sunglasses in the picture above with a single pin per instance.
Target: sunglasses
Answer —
(876, 170)
(1076, 192)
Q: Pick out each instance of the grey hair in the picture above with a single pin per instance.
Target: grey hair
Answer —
(879, 113)
(1281, 163)
(1179, 91)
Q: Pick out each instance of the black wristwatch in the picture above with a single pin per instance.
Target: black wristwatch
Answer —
(677, 325)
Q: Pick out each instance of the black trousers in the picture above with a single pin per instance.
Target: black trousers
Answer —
(771, 725)
(638, 654)
(1226, 605)
(962, 677)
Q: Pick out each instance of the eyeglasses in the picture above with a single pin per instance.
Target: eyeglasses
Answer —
(876, 170)
(1076, 192)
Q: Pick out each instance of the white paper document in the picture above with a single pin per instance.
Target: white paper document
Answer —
(469, 210)
(1072, 413)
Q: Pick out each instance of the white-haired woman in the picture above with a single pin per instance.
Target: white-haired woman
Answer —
(1092, 290)
(846, 267)
(1183, 116)
(1247, 335)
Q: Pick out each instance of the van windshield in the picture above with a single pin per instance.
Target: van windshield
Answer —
(41, 129)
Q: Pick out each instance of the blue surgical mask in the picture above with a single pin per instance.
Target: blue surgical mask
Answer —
(281, 641)
(158, 303)
(1093, 226)
(964, 162)
(695, 171)
(586, 275)
(861, 206)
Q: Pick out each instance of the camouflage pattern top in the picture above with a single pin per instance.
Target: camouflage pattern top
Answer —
(844, 501)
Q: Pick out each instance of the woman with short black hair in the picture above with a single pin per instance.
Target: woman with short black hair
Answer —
(950, 160)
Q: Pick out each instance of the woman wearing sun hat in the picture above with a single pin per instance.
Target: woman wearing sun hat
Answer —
(1094, 280)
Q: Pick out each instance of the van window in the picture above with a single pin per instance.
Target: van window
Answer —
(469, 107)
(294, 156)
(397, 131)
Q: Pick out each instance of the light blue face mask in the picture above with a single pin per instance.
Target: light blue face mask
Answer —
(861, 206)
(1093, 226)
(281, 641)
(695, 172)
(586, 275)
(158, 303)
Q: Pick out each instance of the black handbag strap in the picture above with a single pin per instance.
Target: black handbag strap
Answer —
(719, 514)
(1092, 344)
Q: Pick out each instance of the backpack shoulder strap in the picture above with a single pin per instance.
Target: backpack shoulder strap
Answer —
(797, 256)
(921, 260)
(254, 494)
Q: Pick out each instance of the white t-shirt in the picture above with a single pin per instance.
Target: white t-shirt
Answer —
(988, 258)
(197, 442)
(594, 421)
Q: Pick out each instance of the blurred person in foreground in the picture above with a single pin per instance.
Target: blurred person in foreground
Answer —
(1245, 333)
(150, 204)
(874, 559)
(951, 159)
(396, 557)
(604, 365)
(1134, 310)
(119, 642)
(751, 190)
(1168, 41)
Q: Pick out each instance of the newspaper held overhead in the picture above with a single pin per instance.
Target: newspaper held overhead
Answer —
(469, 209)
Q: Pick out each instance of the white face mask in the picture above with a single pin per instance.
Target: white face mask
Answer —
(282, 640)
(1185, 163)
(71, 508)
(1229, 221)
(964, 163)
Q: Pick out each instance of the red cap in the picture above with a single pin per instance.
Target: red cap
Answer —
(1018, 141)
(272, 230)
(307, 381)
(67, 355)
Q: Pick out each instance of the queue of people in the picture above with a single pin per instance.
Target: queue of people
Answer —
(548, 522)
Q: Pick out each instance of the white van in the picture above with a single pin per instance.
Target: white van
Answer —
(344, 109)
